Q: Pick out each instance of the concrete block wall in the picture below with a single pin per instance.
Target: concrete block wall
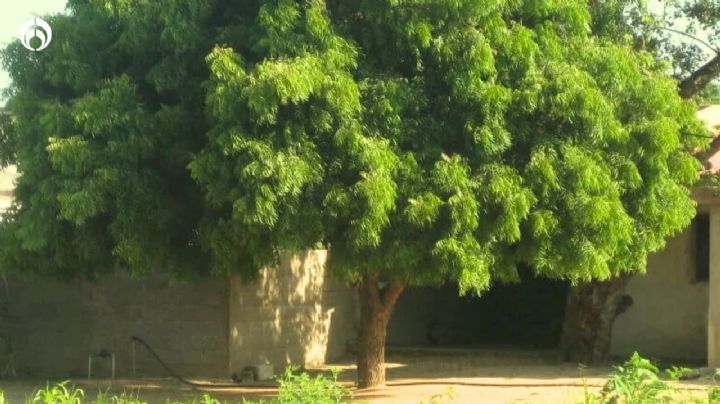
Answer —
(53, 326)
(295, 313)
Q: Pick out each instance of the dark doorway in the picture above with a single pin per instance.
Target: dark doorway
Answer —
(701, 224)
(527, 314)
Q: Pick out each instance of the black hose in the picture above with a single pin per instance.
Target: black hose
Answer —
(390, 384)
(181, 379)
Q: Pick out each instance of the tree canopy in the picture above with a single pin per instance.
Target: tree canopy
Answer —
(491, 133)
(421, 141)
(685, 33)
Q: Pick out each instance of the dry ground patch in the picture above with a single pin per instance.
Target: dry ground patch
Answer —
(492, 375)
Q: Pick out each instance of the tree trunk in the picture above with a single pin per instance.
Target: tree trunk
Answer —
(589, 317)
(700, 78)
(376, 305)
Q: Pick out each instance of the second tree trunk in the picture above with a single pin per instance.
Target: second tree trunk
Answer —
(589, 317)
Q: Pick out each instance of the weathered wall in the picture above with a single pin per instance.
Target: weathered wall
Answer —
(668, 318)
(713, 335)
(294, 313)
(53, 326)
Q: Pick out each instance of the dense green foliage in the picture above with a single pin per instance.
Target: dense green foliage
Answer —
(419, 140)
(106, 121)
(685, 33)
(490, 133)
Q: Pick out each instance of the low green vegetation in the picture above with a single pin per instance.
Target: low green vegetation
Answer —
(124, 398)
(294, 388)
(638, 381)
(61, 393)
(300, 388)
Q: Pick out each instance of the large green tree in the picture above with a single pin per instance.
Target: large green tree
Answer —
(685, 34)
(420, 141)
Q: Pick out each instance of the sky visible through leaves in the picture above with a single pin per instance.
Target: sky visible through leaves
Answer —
(13, 13)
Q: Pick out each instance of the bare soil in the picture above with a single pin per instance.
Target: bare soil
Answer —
(414, 376)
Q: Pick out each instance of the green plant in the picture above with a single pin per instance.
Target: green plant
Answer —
(588, 398)
(678, 372)
(205, 399)
(637, 382)
(2, 398)
(713, 395)
(124, 398)
(60, 393)
(301, 388)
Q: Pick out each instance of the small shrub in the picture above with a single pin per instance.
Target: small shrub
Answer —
(677, 373)
(60, 393)
(637, 382)
(207, 399)
(301, 388)
(714, 395)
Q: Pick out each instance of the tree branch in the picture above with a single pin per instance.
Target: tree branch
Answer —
(700, 78)
(391, 294)
(370, 291)
(693, 37)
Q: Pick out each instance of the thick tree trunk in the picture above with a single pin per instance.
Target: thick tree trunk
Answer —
(589, 317)
(700, 78)
(376, 306)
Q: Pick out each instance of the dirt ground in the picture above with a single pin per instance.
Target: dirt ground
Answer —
(414, 376)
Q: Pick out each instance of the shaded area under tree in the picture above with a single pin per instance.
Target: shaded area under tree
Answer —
(527, 314)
